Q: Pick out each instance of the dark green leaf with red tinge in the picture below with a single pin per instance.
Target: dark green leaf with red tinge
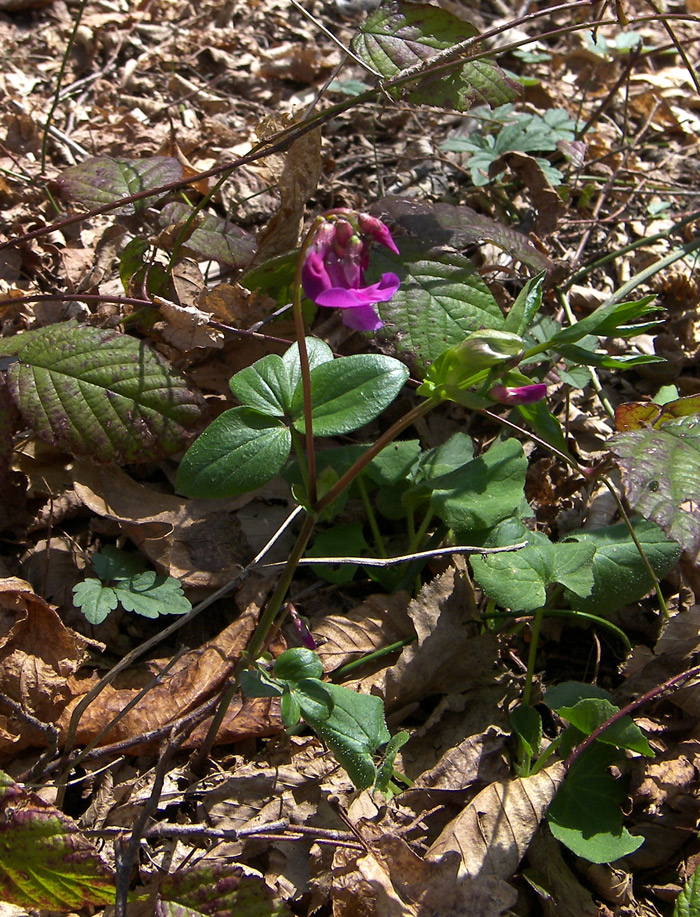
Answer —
(213, 238)
(216, 890)
(100, 393)
(104, 180)
(45, 862)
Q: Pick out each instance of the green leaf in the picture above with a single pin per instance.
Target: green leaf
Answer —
(483, 492)
(296, 664)
(688, 902)
(619, 573)
(587, 707)
(440, 301)
(216, 889)
(94, 599)
(518, 580)
(264, 386)
(385, 771)
(318, 353)
(394, 462)
(103, 180)
(400, 35)
(143, 591)
(591, 712)
(591, 357)
(354, 730)
(527, 725)
(45, 862)
(585, 815)
(100, 393)
(609, 320)
(151, 594)
(349, 392)
(241, 450)
(340, 541)
(110, 563)
(213, 239)
(526, 306)
(662, 477)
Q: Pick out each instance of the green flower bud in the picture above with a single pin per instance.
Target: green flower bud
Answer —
(479, 351)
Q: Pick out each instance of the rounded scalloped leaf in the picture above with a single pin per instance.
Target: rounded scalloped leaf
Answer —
(45, 862)
(104, 180)
(101, 393)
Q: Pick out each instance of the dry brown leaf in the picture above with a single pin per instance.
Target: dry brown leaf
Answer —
(199, 542)
(392, 881)
(561, 894)
(197, 675)
(449, 655)
(378, 622)
(494, 831)
(675, 650)
(298, 179)
(38, 654)
(478, 759)
(187, 327)
(549, 206)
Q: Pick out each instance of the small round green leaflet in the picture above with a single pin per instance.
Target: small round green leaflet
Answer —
(44, 860)
(100, 393)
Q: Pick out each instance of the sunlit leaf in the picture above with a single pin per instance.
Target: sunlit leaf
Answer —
(104, 180)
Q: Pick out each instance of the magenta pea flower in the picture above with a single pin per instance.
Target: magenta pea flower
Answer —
(333, 274)
(520, 394)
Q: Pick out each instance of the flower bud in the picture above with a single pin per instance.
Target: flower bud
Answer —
(521, 394)
(478, 351)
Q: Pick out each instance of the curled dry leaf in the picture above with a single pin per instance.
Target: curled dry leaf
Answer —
(493, 832)
(199, 542)
(38, 654)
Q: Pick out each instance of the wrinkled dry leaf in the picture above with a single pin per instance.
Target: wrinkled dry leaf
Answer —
(378, 622)
(199, 542)
(38, 654)
(392, 881)
(494, 831)
(187, 327)
(298, 177)
(479, 759)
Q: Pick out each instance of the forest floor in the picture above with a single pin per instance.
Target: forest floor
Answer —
(597, 165)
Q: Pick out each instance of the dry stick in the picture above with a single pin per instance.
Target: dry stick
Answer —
(630, 708)
(403, 558)
(127, 853)
(677, 44)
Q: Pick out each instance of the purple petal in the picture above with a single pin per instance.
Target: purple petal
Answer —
(314, 276)
(378, 231)
(341, 298)
(362, 318)
(522, 394)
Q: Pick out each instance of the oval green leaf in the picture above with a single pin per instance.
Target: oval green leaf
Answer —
(240, 451)
(349, 392)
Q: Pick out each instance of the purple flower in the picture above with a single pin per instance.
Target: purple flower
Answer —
(333, 274)
(522, 394)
